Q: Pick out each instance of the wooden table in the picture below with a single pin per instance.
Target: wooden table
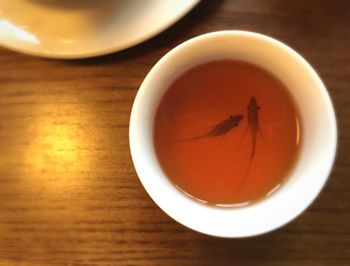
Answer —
(69, 193)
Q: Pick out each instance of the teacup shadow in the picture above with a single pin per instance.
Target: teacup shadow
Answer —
(259, 250)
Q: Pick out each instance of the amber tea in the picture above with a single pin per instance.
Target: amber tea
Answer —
(227, 132)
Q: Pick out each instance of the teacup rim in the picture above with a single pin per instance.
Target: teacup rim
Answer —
(297, 56)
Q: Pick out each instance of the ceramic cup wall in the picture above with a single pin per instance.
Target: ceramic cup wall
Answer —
(318, 124)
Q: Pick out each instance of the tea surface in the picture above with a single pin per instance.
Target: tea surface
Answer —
(227, 132)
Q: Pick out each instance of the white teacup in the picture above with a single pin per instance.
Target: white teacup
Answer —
(317, 151)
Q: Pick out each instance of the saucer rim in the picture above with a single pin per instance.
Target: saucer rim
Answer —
(115, 47)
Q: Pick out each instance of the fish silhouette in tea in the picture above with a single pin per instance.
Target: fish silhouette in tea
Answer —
(219, 129)
(253, 123)
(254, 126)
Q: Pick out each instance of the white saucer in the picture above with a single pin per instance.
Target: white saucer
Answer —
(84, 28)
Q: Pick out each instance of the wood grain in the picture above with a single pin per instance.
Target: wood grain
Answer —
(69, 193)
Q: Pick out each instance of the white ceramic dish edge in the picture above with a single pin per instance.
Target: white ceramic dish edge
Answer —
(80, 54)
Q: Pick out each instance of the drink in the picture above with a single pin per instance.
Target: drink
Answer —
(257, 135)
